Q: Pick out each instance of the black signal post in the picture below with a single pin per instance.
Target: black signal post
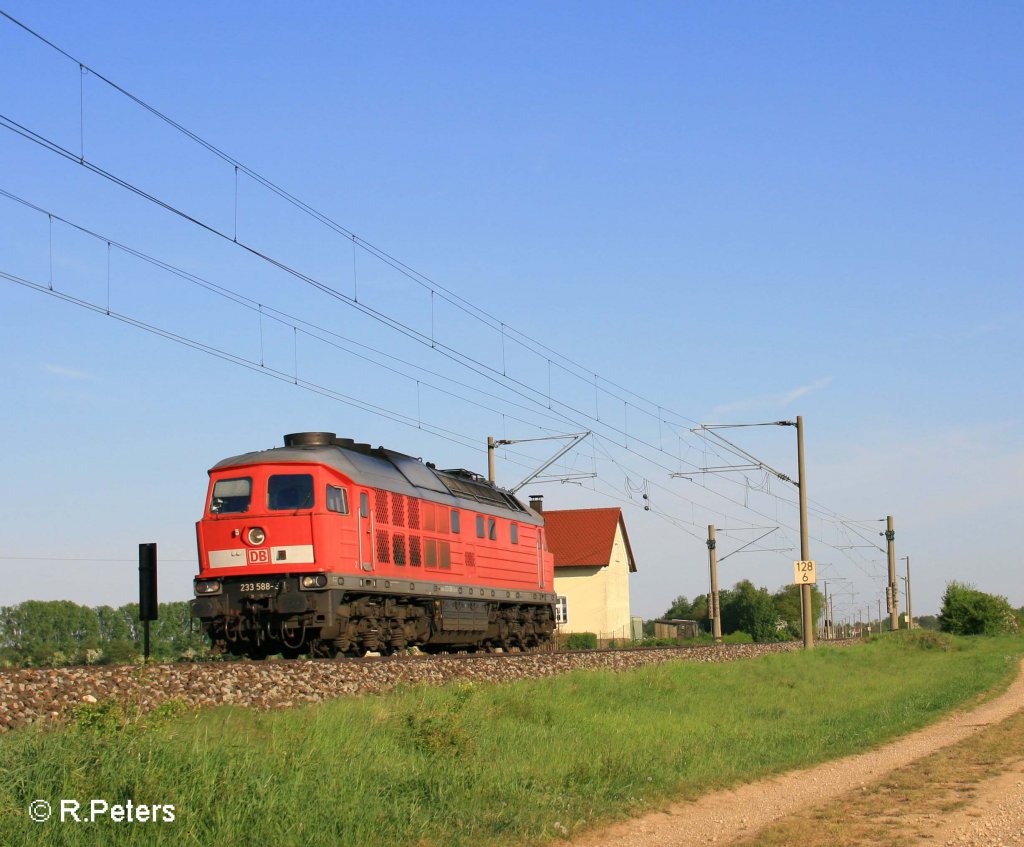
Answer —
(147, 592)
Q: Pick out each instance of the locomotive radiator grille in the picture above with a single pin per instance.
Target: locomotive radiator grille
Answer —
(383, 548)
(398, 548)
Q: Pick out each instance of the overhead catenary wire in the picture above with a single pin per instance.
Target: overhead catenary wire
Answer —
(468, 361)
(237, 165)
(294, 378)
(455, 299)
(457, 438)
(402, 328)
(564, 411)
(461, 439)
(316, 331)
(390, 414)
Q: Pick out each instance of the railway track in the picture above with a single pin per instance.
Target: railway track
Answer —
(47, 696)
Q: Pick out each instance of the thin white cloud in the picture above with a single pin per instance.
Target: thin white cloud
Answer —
(771, 401)
(803, 390)
(69, 373)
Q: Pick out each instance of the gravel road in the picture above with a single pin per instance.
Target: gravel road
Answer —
(995, 817)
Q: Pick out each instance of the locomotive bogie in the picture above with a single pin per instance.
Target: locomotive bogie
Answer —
(263, 617)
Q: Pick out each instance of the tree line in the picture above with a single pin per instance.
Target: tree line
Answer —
(748, 609)
(776, 617)
(55, 633)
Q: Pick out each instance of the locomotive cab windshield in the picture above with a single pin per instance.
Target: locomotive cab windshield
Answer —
(288, 492)
(231, 496)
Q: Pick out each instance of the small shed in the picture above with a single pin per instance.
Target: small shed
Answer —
(676, 628)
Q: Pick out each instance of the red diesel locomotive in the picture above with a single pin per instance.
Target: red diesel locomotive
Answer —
(327, 547)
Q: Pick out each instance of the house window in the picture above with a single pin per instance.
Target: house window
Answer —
(513, 532)
(561, 610)
(337, 500)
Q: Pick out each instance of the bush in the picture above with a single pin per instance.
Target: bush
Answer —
(967, 611)
(925, 639)
(738, 637)
(120, 652)
(581, 641)
(663, 642)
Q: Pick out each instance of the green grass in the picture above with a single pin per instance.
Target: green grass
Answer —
(526, 762)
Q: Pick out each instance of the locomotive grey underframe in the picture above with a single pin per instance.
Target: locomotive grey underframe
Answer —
(464, 608)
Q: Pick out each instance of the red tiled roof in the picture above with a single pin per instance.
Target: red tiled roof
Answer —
(584, 537)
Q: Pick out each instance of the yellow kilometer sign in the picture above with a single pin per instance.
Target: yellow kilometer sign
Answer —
(803, 573)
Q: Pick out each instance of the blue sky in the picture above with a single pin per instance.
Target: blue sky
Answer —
(737, 212)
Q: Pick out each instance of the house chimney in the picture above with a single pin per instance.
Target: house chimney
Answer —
(537, 503)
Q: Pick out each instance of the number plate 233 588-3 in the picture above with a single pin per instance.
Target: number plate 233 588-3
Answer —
(249, 587)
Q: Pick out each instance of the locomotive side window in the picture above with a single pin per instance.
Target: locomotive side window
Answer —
(290, 491)
(231, 495)
(479, 526)
(337, 499)
(364, 504)
(438, 554)
(455, 521)
(514, 532)
(492, 529)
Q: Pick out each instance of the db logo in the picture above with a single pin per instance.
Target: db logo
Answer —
(258, 557)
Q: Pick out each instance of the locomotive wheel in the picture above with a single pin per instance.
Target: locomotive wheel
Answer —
(323, 650)
(257, 653)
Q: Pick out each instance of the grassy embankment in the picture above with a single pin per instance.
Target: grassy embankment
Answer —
(524, 762)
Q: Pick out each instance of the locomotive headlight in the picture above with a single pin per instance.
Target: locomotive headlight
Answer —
(207, 586)
(256, 536)
(318, 580)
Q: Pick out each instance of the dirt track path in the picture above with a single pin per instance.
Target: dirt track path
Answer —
(995, 815)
